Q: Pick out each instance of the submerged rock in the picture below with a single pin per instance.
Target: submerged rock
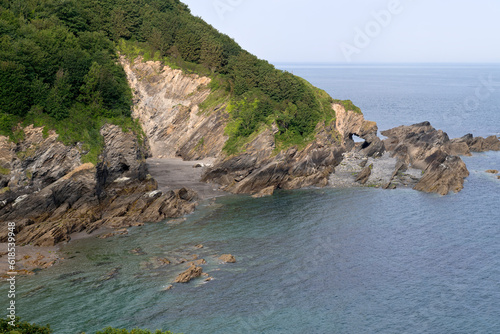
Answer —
(492, 171)
(227, 258)
(269, 191)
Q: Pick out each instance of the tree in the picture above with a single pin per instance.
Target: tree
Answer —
(13, 83)
(60, 98)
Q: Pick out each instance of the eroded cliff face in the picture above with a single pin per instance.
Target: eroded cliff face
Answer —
(166, 102)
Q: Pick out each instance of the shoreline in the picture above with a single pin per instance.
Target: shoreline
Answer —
(30, 259)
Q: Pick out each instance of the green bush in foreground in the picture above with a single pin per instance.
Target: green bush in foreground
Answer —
(22, 327)
(110, 330)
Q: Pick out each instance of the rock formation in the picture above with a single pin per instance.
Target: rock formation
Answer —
(430, 150)
(50, 194)
(166, 102)
(227, 258)
(191, 273)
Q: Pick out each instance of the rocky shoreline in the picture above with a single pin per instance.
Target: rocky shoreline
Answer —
(50, 194)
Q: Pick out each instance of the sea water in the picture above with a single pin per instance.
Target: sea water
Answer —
(354, 261)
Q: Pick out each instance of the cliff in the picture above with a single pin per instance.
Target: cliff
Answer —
(167, 105)
(50, 193)
(166, 102)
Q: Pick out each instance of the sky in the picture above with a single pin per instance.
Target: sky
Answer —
(359, 31)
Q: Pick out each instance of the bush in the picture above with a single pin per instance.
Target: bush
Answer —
(22, 327)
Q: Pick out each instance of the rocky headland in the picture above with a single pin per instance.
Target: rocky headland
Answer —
(50, 194)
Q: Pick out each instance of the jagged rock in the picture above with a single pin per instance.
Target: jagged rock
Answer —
(443, 177)
(258, 168)
(264, 192)
(227, 258)
(191, 273)
(492, 171)
(199, 262)
(162, 261)
(78, 197)
(112, 274)
(350, 123)
(364, 174)
(199, 246)
(425, 148)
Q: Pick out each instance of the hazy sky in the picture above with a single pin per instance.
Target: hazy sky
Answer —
(350, 30)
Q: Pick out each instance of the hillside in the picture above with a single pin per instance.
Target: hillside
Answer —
(58, 68)
(90, 89)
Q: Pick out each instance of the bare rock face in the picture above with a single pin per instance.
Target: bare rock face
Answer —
(423, 147)
(443, 176)
(166, 102)
(258, 168)
(36, 161)
(64, 196)
(191, 273)
(350, 123)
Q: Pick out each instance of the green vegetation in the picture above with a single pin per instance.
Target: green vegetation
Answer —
(22, 327)
(348, 105)
(110, 330)
(58, 69)
(4, 171)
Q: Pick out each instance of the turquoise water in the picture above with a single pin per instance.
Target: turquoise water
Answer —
(309, 261)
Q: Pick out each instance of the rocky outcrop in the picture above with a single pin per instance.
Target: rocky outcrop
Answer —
(350, 123)
(191, 273)
(259, 170)
(478, 144)
(36, 161)
(166, 102)
(423, 147)
(63, 196)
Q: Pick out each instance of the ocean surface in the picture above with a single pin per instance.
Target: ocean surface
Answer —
(354, 261)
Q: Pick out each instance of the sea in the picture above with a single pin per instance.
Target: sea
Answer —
(355, 261)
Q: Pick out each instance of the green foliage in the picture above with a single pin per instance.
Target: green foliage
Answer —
(4, 171)
(23, 327)
(110, 330)
(348, 105)
(58, 62)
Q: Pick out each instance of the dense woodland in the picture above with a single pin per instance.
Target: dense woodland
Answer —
(58, 67)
